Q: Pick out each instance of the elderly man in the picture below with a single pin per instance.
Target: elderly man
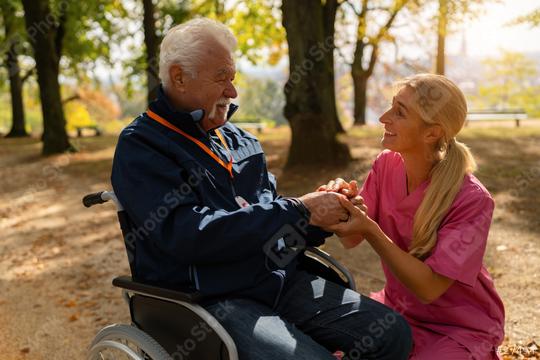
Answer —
(199, 190)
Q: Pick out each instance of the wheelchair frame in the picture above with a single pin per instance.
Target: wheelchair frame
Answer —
(145, 340)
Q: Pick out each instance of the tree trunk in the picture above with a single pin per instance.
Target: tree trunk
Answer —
(310, 99)
(152, 51)
(329, 17)
(15, 85)
(359, 71)
(361, 75)
(360, 81)
(441, 37)
(42, 34)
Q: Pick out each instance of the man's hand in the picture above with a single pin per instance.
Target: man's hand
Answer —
(325, 208)
(357, 226)
(350, 190)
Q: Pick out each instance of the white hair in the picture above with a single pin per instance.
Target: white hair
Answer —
(185, 45)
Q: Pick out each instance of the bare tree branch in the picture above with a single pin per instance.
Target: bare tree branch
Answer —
(383, 8)
(342, 55)
(28, 74)
(373, 59)
(399, 4)
(71, 98)
(348, 2)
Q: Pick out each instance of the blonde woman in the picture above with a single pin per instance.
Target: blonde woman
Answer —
(428, 219)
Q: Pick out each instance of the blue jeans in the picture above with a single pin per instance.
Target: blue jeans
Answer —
(313, 319)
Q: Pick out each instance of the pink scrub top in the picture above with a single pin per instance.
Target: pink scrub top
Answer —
(470, 312)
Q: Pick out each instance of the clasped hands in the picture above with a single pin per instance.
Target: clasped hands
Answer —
(337, 207)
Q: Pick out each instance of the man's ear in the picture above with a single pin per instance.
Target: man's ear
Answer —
(433, 134)
(176, 76)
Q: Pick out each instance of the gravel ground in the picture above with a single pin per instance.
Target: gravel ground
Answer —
(57, 258)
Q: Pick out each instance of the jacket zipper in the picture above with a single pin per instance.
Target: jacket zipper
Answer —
(214, 149)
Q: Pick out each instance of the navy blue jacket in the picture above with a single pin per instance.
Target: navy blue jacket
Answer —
(189, 229)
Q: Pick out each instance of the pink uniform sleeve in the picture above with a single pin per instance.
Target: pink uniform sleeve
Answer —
(371, 186)
(462, 238)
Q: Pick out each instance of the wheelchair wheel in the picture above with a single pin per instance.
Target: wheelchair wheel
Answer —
(125, 342)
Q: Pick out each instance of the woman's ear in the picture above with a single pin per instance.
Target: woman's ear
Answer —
(433, 134)
(176, 76)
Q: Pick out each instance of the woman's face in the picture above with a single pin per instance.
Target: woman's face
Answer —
(405, 131)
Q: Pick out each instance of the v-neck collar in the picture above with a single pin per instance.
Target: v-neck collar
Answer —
(417, 193)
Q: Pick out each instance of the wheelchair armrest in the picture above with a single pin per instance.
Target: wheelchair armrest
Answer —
(325, 259)
(127, 283)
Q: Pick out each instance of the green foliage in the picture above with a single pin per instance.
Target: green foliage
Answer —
(131, 104)
(260, 99)
(3, 80)
(11, 22)
(167, 14)
(12, 31)
(508, 84)
(32, 109)
(532, 18)
(256, 24)
(88, 27)
(91, 26)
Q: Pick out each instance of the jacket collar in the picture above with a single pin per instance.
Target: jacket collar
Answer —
(186, 121)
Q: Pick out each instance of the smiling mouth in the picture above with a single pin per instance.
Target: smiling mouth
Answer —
(388, 133)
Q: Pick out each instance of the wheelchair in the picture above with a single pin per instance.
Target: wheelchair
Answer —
(163, 320)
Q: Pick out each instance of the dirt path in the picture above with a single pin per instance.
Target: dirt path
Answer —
(57, 258)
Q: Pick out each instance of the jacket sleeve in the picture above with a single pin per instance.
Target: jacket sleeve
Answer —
(161, 201)
(314, 235)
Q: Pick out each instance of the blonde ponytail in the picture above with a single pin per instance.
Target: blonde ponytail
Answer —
(439, 102)
(446, 180)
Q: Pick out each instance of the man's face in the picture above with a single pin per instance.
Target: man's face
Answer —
(212, 89)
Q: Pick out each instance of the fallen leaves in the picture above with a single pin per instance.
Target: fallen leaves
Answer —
(518, 351)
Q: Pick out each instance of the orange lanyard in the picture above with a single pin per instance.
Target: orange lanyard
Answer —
(227, 166)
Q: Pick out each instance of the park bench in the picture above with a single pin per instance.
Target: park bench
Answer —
(97, 130)
(251, 126)
(497, 115)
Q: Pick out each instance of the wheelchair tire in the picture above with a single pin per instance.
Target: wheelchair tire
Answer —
(116, 336)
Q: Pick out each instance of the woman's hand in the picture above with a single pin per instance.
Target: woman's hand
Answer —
(339, 185)
(351, 191)
(351, 241)
(357, 226)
